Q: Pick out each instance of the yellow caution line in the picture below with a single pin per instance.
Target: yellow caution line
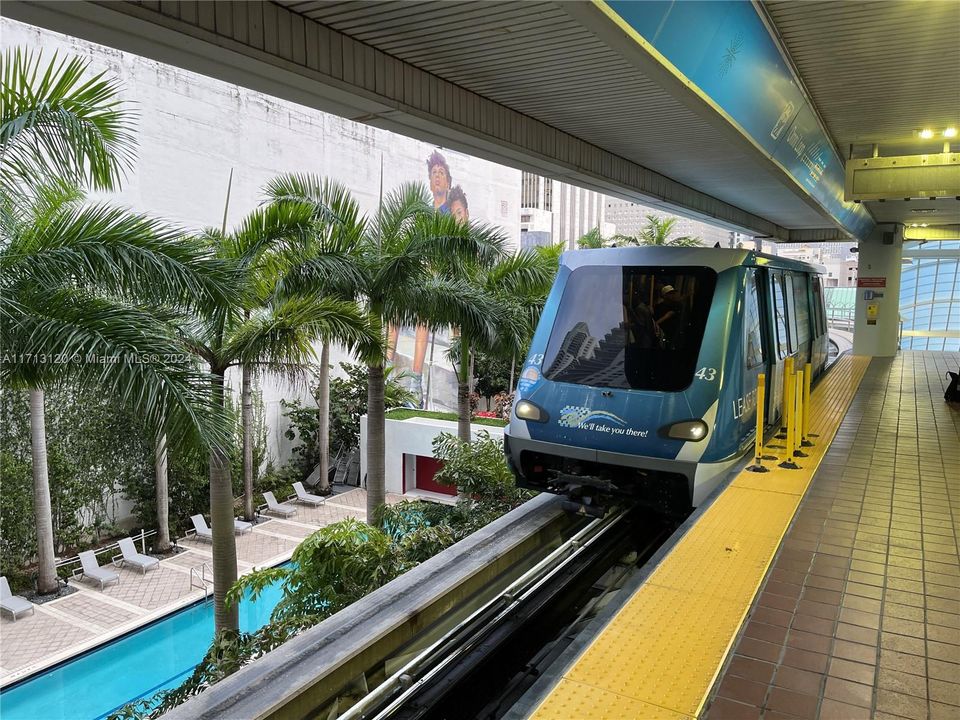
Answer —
(660, 655)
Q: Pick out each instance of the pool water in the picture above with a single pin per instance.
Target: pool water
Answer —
(158, 657)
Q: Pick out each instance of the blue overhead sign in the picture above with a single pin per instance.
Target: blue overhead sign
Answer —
(725, 50)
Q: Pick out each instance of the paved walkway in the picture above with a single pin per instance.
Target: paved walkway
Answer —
(69, 625)
(859, 616)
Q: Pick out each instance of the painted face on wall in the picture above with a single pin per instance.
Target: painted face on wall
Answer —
(439, 184)
(458, 210)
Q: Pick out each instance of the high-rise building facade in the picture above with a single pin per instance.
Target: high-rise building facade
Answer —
(555, 212)
(630, 218)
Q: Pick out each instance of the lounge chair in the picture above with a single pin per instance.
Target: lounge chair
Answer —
(130, 555)
(90, 568)
(13, 604)
(278, 508)
(307, 498)
(242, 526)
(200, 528)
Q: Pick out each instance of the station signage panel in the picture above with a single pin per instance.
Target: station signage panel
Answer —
(724, 49)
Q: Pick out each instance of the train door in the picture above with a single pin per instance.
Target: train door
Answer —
(780, 341)
(820, 323)
(756, 352)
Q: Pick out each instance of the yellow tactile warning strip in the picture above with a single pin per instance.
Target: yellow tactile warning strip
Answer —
(660, 654)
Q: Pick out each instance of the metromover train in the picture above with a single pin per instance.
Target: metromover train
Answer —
(642, 375)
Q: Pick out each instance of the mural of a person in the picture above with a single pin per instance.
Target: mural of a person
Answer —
(457, 201)
(440, 181)
(438, 172)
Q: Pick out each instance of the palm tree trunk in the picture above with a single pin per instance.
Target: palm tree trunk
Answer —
(463, 391)
(376, 490)
(246, 415)
(226, 618)
(323, 434)
(46, 563)
(163, 495)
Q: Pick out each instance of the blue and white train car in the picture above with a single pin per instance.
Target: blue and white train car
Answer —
(642, 375)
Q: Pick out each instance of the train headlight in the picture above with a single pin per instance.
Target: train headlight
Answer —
(526, 410)
(689, 430)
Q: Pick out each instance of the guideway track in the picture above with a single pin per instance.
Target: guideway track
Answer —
(487, 661)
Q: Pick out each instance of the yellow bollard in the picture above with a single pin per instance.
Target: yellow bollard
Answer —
(798, 415)
(805, 436)
(758, 442)
(790, 401)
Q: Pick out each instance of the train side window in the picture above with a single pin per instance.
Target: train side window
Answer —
(780, 314)
(801, 304)
(791, 311)
(818, 305)
(753, 347)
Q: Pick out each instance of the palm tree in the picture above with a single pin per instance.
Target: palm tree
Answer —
(76, 280)
(261, 329)
(412, 261)
(517, 286)
(336, 233)
(415, 263)
(657, 232)
(81, 287)
(592, 239)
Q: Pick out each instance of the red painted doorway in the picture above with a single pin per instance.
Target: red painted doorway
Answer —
(427, 467)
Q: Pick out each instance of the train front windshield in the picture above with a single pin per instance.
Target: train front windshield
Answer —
(630, 327)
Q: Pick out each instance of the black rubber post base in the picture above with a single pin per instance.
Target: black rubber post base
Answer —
(789, 465)
(806, 443)
(768, 457)
(799, 453)
(758, 468)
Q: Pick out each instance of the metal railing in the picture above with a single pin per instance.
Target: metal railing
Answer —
(198, 579)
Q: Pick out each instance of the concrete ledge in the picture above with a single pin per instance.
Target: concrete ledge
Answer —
(310, 670)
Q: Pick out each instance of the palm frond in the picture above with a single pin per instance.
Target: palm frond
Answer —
(400, 208)
(452, 245)
(69, 335)
(283, 335)
(115, 251)
(55, 123)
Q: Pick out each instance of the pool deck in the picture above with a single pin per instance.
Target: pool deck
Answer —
(70, 625)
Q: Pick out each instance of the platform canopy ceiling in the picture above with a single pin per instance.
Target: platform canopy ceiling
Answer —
(552, 87)
(879, 74)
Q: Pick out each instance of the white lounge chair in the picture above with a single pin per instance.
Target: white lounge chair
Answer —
(241, 526)
(307, 498)
(90, 568)
(129, 554)
(278, 508)
(200, 528)
(13, 604)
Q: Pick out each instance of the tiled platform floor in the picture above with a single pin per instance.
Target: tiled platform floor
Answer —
(859, 616)
(59, 628)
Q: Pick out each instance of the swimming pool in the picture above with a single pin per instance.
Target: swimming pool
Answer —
(157, 657)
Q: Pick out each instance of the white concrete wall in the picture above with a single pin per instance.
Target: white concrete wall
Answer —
(413, 436)
(193, 130)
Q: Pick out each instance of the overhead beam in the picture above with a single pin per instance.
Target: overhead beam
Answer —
(270, 49)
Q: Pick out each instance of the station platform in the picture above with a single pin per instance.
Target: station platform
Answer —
(832, 591)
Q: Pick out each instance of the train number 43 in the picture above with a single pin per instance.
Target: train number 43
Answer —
(706, 373)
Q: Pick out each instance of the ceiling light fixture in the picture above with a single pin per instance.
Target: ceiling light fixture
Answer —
(926, 133)
(950, 132)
